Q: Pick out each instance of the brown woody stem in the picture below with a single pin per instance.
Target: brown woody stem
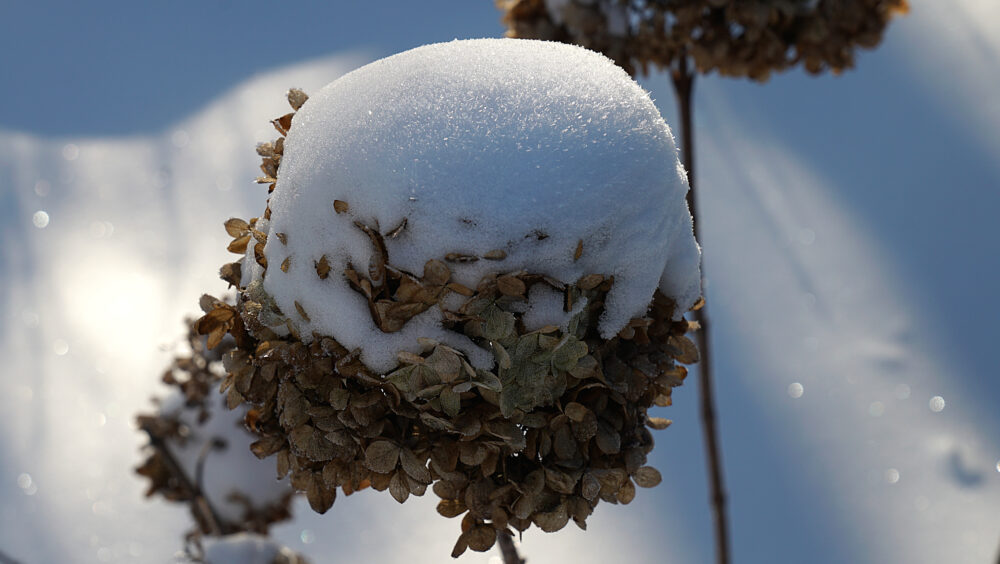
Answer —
(203, 511)
(683, 79)
(507, 549)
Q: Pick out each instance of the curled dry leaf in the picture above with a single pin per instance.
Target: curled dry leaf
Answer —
(396, 231)
(495, 254)
(301, 311)
(296, 98)
(459, 257)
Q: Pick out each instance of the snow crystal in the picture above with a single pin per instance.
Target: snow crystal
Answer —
(530, 147)
(242, 548)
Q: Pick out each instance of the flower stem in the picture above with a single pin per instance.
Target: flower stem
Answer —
(683, 79)
(507, 549)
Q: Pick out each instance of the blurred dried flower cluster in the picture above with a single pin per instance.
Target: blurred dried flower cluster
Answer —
(180, 441)
(750, 38)
(560, 424)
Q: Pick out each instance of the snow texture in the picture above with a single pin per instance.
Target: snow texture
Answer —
(242, 548)
(545, 307)
(526, 146)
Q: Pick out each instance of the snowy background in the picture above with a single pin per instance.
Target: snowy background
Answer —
(851, 256)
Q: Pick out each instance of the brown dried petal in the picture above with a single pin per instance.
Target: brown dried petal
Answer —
(267, 446)
(396, 231)
(398, 487)
(414, 467)
(590, 281)
(590, 486)
(459, 257)
(559, 481)
(495, 254)
(647, 477)
(686, 351)
(627, 492)
(283, 123)
(552, 521)
(575, 411)
(451, 402)
(511, 285)
(320, 497)
(340, 206)
(658, 423)
(481, 538)
(460, 289)
(302, 311)
(381, 456)
(239, 245)
(311, 443)
(236, 227)
(323, 268)
(232, 273)
(608, 440)
(296, 98)
(451, 508)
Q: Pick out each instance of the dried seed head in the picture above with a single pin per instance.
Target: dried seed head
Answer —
(559, 424)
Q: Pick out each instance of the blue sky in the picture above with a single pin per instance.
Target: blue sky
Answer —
(849, 241)
(115, 67)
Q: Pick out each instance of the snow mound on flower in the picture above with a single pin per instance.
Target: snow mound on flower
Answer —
(530, 147)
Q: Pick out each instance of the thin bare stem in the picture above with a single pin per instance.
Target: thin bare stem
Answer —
(507, 549)
(683, 79)
(204, 512)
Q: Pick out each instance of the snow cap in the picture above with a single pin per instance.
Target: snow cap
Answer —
(547, 152)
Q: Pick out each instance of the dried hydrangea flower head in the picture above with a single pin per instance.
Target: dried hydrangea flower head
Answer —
(750, 38)
(197, 452)
(470, 275)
